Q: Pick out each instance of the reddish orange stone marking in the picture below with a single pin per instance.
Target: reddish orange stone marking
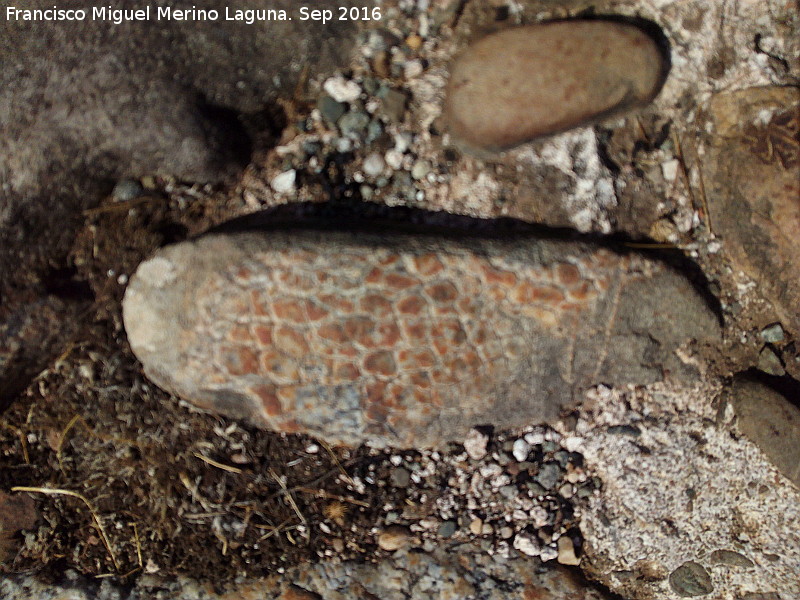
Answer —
(315, 311)
(421, 379)
(568, 274)
(427, 264)
(416, 359)
(240, 333)
(442, 292)
(263, 334)
(417, 332)
(336, 303)
(376, 305)
(240, 360)
(291, 279)
(374, 276)
(527, 293)
(269, 400)
(581, 291)
(346, 372)
(333, 332)
(280, 368)
(289, 310)
(260, 303)
(412, 305)
(290, 341)
(399, 282)
(358, 329)
(387, 335)
(499, 276)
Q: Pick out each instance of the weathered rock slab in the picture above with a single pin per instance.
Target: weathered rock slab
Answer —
(516, 85)
(756, 210)
(712, 517)
(402, 339)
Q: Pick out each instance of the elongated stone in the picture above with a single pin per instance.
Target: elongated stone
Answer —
(519, 84)
(400, 339)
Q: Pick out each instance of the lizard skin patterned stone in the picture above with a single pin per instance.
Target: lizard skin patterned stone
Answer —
(522, 83)
(400, 339)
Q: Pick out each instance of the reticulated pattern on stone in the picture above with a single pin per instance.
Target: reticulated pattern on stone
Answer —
(373, 339)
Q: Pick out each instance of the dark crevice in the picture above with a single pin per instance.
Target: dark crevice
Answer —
(786, 385)
(63, 283)
(234, 142)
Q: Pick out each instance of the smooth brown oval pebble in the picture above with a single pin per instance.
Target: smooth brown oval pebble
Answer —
(520, 84)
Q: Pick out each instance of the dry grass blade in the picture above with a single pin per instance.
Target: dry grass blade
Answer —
(219, 465)
(288, 495)
(98, 523)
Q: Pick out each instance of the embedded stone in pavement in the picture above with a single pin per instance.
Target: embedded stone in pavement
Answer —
(516, 85)
(398, 339)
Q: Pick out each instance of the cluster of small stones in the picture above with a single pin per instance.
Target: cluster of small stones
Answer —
(507, 494)
(367, 121)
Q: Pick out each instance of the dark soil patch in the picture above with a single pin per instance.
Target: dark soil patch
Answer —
(183, 491)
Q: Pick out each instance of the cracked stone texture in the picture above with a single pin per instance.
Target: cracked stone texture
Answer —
(526, 82)
(757, 209)
(681, 484)
(400, 339)
(84, 104)
(460, 572)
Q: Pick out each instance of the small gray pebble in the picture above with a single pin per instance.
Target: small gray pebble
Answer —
(772, 333)
(374, 131)
(548, 475)
(509, 491)
(730, 558)
(447, 529)
(311, 148)
(393, 107)
(371, 85)
(550, 446)
(562, 457)
(691, 579)
(353, 124)
(536, 489)
(631, 430)
(330, 109)
(127, 189)
(400, 477)
(769, 363)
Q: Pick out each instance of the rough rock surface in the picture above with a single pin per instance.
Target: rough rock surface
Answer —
(460, 572)
(523, 83)
(711, 515)
(757, 209)
(400, 339)
(85, 103)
